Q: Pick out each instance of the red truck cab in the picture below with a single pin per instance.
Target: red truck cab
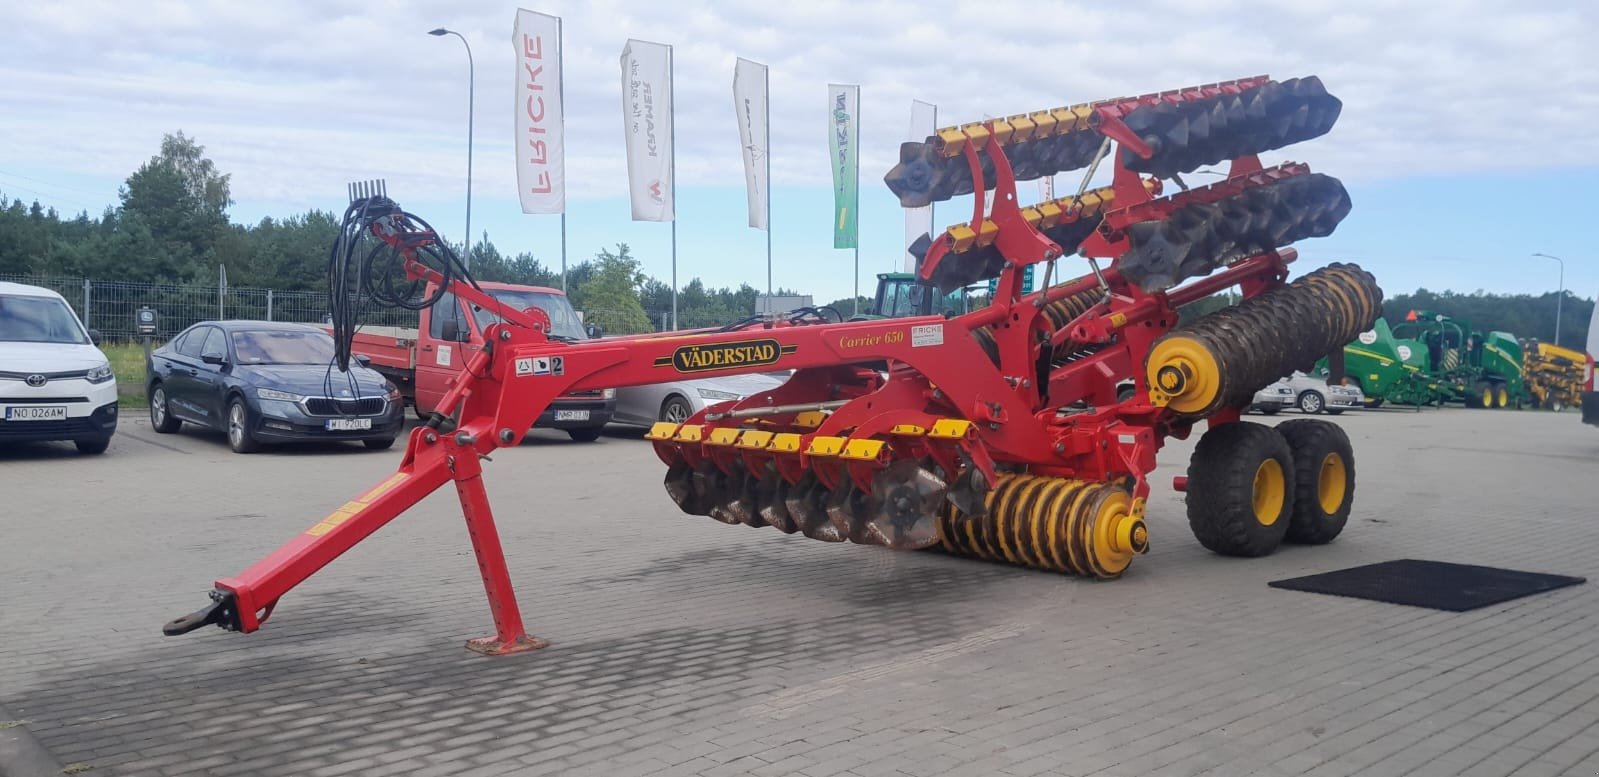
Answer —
(424, 362)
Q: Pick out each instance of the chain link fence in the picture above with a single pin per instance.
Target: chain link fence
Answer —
(109, 307)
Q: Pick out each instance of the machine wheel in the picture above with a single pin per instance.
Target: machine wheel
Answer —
(93, 445)
(1374, 403)
(160, 419)
(584, 433)
(676, 409)
(1311, 402)
(1334, 410)
(239, 437)
(1503, 398)
(1125, 393)
(1270, 410)
(1482, 396)
(379, 443)
(1324, 480)
(1240, 489)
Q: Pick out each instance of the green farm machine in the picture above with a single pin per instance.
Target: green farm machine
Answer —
(1389, 369)
(1430, 359)
(1481, 369)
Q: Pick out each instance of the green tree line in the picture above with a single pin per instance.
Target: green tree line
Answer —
(170, 225)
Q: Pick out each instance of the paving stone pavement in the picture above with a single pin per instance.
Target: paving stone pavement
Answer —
(681, 646)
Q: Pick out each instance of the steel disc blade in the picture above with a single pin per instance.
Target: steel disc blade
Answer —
(770, 492)
(680, 486)
(846, 511)
(712, 487)
(807, 506)
(904, 505)
(968, 492)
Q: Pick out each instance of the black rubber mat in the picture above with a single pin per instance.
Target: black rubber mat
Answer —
(1436, 585)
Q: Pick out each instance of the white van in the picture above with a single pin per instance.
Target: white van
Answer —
(54, 383)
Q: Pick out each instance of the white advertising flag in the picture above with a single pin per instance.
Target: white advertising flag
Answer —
(919, 221)
(749, 103)
(540, 125)
(647, 123)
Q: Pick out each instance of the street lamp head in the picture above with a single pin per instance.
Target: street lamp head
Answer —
(438, 32)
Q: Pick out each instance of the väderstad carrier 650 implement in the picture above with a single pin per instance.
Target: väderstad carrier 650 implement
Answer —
(996, 434)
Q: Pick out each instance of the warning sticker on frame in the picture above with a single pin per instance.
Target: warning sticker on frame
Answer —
(927, 334)
(536, 365)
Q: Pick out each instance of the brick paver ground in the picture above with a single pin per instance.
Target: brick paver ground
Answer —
(685, 647)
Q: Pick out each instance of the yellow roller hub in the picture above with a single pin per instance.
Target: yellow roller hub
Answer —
(1116, 534)
(1332, 483)
(1269, 492)
(1183, 375)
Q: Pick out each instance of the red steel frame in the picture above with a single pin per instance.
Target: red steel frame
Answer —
(509, 382)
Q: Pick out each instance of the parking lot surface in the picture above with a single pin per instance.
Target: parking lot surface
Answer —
(681, 646)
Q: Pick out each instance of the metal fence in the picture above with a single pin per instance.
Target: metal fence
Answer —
(109, 306)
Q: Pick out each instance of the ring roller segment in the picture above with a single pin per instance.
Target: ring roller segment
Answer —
(1221, 360)
(1078, 527)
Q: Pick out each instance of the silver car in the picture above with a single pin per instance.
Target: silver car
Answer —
(680, 400)
(1314, 395)
(1272, 399)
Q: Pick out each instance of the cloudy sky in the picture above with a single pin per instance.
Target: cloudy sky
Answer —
(1467, 134)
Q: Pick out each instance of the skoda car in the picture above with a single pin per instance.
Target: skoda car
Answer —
(262, 382)
(54, 383)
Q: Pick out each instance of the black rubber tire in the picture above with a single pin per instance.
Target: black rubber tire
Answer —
(1125, 393)
(1310, 441)
(1334, 410)
(1474, 399)
(378, 443)
(93, 446)
(1374, 403)
(675, 403)
(1221, 478)
(168, 423)
(1270, 410)
(245, 441)
(584, 433)
(1316, 402)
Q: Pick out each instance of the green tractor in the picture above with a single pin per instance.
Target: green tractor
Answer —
(1390, 369)
(900, 295)
(1483, 370)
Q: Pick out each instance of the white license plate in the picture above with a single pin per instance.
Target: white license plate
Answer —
(37, 413)
(347, 424)
(571, 415)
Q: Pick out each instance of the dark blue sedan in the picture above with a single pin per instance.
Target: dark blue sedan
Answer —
(264, 382)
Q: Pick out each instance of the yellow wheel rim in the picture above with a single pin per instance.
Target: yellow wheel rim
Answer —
(1504, 398)
(1269, 492)
(1332, 483)
(1488, 397)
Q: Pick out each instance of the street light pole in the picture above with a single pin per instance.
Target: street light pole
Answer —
(1562, 295)
(471, 78)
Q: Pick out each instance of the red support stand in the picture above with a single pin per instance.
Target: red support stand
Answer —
(510, 636)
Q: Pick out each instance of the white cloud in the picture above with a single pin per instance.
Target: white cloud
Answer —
(295, 98)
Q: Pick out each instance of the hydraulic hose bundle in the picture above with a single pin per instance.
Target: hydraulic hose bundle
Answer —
(379, 274)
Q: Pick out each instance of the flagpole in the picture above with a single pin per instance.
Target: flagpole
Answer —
(560, 46)
(766, 73)
(857, 199)
(671, 132)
